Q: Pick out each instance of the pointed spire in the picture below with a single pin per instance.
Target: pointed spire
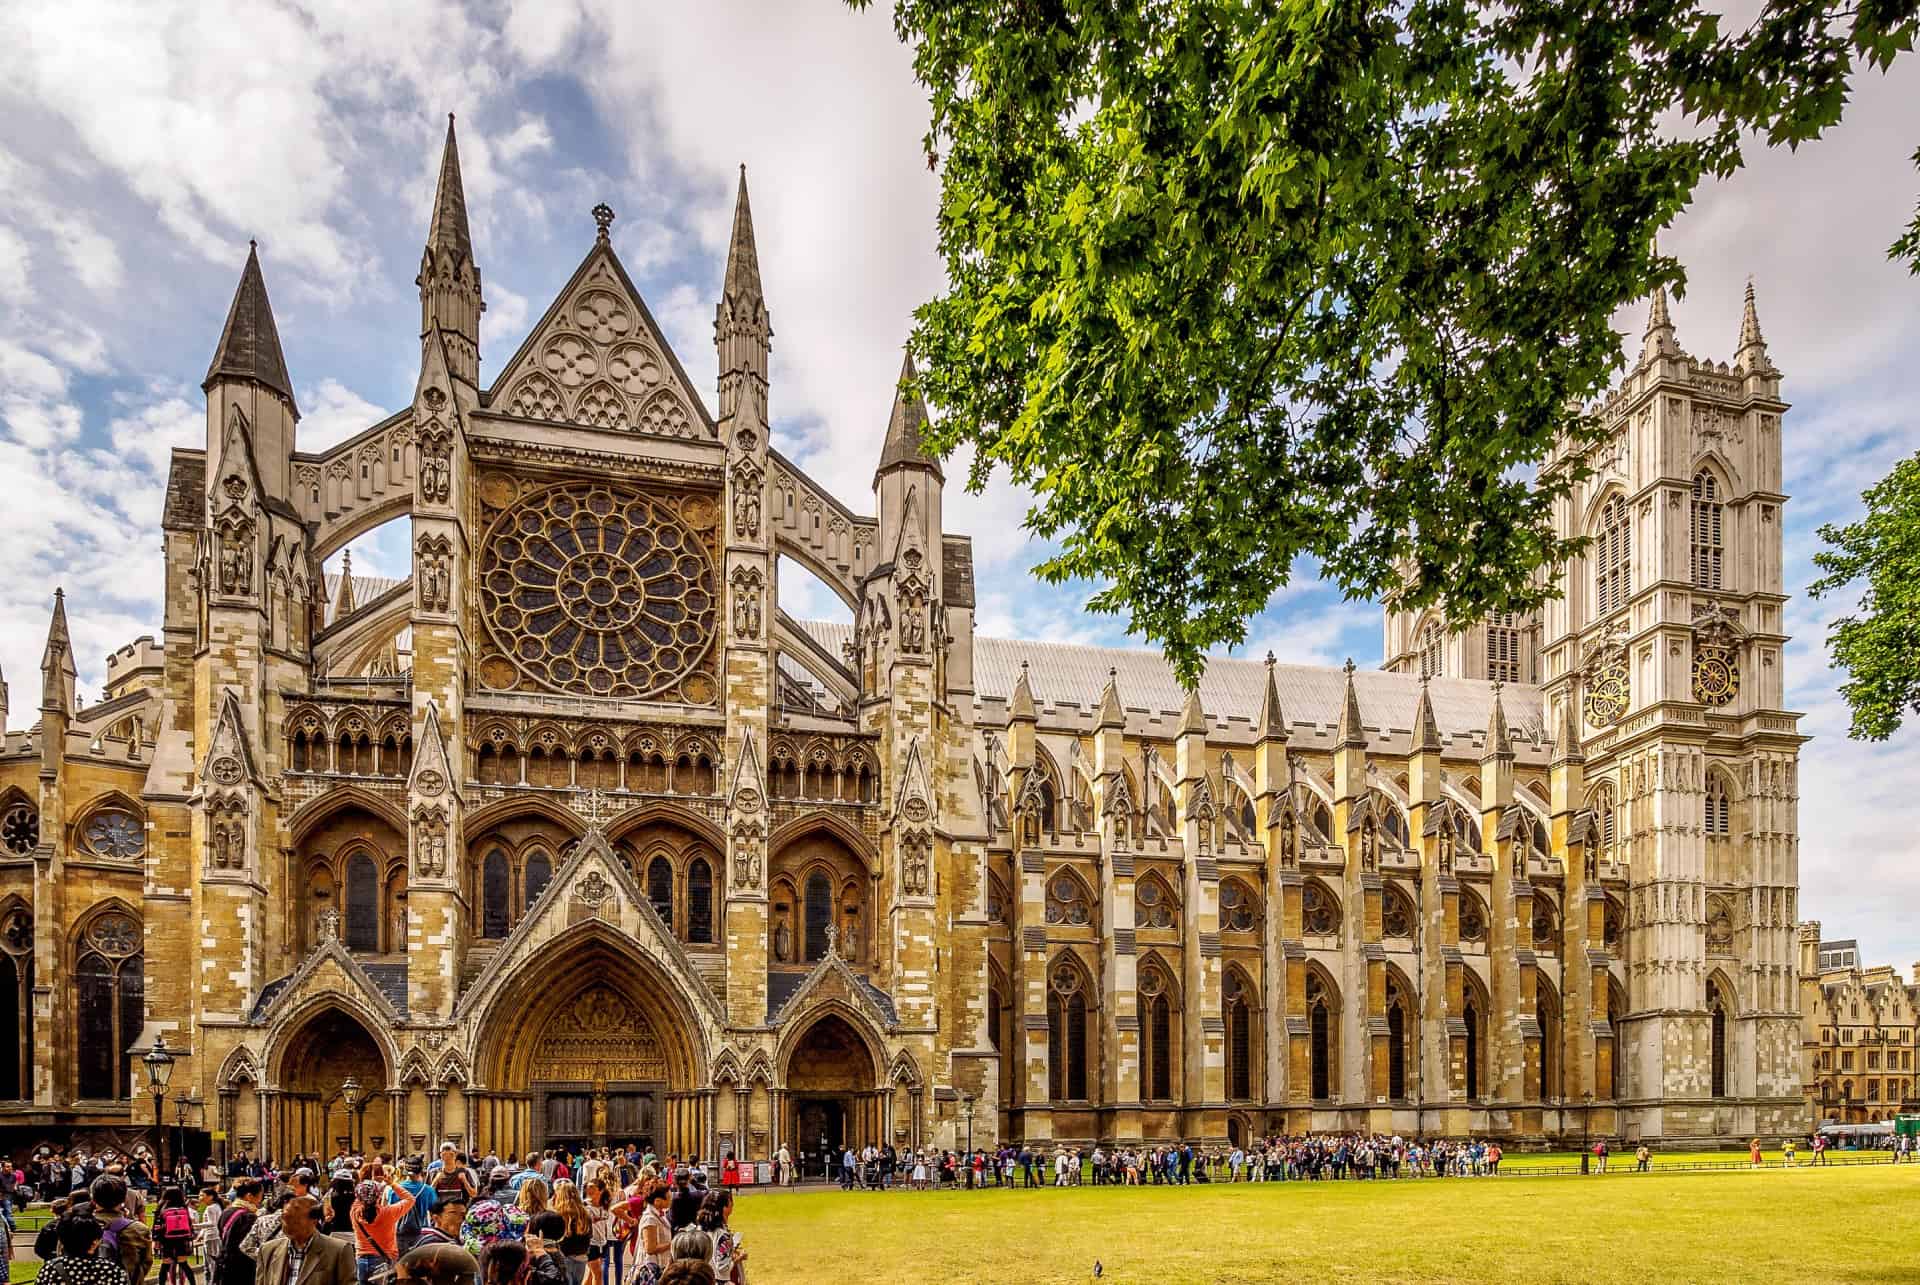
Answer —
(1753, 345)
(57, 673)
(1659, 339)
(250, 342)
(1566, 746)
(903, 445)
(743, 258)
(1272, 725)
(1349, 731)
(1499, 743)
(1193, 719)
(1111, 713)
(1022, 708)
(1426, 728)
(448, 233)
(343, 594)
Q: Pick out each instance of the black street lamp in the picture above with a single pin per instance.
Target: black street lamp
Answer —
(159, 1064)
(1586, 1122)
(186, 1110)
(350, 1094)
(966, 1109)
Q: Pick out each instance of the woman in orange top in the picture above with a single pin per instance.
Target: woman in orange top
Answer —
(376, 1222)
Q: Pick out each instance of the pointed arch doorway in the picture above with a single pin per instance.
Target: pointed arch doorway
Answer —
(833, 1088)
(593, 1045)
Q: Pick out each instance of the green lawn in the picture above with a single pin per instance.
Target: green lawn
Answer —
(1841, 1224)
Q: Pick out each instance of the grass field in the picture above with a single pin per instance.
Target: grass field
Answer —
(1839, 1224)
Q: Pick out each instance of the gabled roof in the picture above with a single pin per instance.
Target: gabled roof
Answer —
(784, 1000)
(250, 342)
(600, 254)
(1063, 674)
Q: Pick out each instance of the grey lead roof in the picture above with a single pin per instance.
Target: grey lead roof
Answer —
(1073, 674)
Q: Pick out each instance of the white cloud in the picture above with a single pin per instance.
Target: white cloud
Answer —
(330, 413)
(15, 259)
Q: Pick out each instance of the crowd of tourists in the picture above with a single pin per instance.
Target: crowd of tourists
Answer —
(1311, 1158)
(597, 1218)
(611, 1216)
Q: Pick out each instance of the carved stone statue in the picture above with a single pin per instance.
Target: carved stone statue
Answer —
(746, 504)
(436, 465)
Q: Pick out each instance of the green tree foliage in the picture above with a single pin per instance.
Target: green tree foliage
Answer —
(1879, 558)
(1231, 283)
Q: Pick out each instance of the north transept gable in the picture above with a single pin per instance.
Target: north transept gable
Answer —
(598, 359)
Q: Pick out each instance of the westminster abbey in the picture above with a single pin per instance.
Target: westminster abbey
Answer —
(575, 835)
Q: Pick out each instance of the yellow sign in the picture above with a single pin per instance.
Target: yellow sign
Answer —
(219, 1135)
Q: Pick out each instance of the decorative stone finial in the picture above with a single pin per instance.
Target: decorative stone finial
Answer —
(1271, 658)
(1348, 667)
(603, 219)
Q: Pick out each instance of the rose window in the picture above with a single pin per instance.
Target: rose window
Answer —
(598, 590)
(115, 833)
(20, 828)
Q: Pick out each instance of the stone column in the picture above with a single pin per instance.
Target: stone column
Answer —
(437, 1118)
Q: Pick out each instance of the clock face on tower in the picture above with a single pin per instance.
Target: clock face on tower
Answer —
(1608, 694)
(599, 590)
(1716, 674)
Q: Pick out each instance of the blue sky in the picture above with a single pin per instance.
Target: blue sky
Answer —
(148, 141)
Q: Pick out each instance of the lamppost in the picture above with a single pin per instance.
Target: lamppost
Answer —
(966, 1109)
(159, 1064)
(183, 1109)
(1586, 1123)
(350, 1094)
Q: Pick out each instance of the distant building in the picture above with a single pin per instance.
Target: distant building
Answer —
(1862, 1027)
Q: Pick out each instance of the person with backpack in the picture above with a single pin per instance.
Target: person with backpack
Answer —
(78, 1234)
(123, 1239)
(235, 1266)
(173, 1236)
(424, 1199)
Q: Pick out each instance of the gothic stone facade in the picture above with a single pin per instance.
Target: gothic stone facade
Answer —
(574, 834)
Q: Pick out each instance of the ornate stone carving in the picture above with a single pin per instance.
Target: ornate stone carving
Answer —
(236, 557)
(430, 843)
(227, 832)
(916, 859)
(746, 500)
(747, 588)
(593, 889)
(433, 572)
(747, 860)
(328, 923)
(436, 463)
(430, 784)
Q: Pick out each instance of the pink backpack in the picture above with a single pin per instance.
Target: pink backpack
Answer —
(176, 1223)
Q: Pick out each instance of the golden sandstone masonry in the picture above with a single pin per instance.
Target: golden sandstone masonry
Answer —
(574, 834)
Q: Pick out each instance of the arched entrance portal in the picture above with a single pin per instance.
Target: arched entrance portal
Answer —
(592, 1045)
(832, 1089)
(312, 1114)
